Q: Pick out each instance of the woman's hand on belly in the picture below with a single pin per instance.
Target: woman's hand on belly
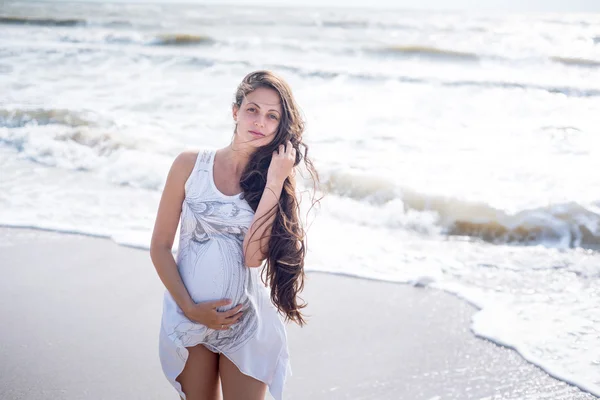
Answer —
(206, 314)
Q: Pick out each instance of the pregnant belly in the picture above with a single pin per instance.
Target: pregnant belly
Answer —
(214, 271)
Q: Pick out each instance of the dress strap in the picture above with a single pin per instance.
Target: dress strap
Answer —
(205, 157)
(203, 164)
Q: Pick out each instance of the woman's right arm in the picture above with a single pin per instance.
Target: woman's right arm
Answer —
(161, 245)
(165, 227)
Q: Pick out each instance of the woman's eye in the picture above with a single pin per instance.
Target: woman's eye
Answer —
(273, 117)
(252, 109)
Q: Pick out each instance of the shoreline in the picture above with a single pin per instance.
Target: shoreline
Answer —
(365, 338)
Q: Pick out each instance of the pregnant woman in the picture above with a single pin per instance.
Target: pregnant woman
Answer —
(240, 260)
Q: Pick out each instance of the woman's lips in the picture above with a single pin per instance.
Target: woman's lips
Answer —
(256, 134)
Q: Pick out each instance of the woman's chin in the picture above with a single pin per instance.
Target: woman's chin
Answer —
(255, 141)
(251, 140)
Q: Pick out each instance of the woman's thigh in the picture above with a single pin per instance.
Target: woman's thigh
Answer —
(200, 377)
(237, 386)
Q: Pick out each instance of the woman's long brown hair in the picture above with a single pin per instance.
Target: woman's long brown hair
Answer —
(284, 271)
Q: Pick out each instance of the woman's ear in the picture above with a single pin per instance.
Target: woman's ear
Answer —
(234, 112)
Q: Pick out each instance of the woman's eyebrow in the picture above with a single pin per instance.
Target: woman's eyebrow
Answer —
(251, 102)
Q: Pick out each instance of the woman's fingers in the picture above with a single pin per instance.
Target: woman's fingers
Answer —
(283, 161)
(225, 323)
(233, 319)
(219, 303)
(229, 313)
(285, 148)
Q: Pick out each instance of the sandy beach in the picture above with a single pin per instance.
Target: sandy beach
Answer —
(80, 320)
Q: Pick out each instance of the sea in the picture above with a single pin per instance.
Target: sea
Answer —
(456, 150)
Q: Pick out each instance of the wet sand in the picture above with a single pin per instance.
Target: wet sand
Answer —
(80, 318)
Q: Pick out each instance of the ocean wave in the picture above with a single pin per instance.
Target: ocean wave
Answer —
(429, 52)
(435, 53)
(566, 90)
(579, 62)
(179, 39)
(567, 225)
(75, 130)
(103, 143)
(344, 24)
(360, 187)
(362, 24)
(316, 73)
(6, 68)
(41, 21)
(18, 118)
(117, 24)
(79, 148)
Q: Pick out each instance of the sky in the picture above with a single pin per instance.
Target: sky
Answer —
(501, 5)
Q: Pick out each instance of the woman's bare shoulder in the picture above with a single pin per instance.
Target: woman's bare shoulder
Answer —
(184, 162)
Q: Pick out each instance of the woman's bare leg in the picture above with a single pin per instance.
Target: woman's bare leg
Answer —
(237, 386)
(200, 376)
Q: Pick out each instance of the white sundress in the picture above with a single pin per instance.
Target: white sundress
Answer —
(210, 262)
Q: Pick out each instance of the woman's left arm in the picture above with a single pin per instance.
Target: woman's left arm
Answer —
(256, 241)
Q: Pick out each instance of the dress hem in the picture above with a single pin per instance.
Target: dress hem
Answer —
(177, 386)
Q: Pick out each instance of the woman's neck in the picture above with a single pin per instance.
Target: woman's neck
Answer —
(235, 158)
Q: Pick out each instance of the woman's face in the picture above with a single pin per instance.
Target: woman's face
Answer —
(258, 117)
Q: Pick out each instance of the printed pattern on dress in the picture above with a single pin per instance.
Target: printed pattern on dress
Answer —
(208, 220)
